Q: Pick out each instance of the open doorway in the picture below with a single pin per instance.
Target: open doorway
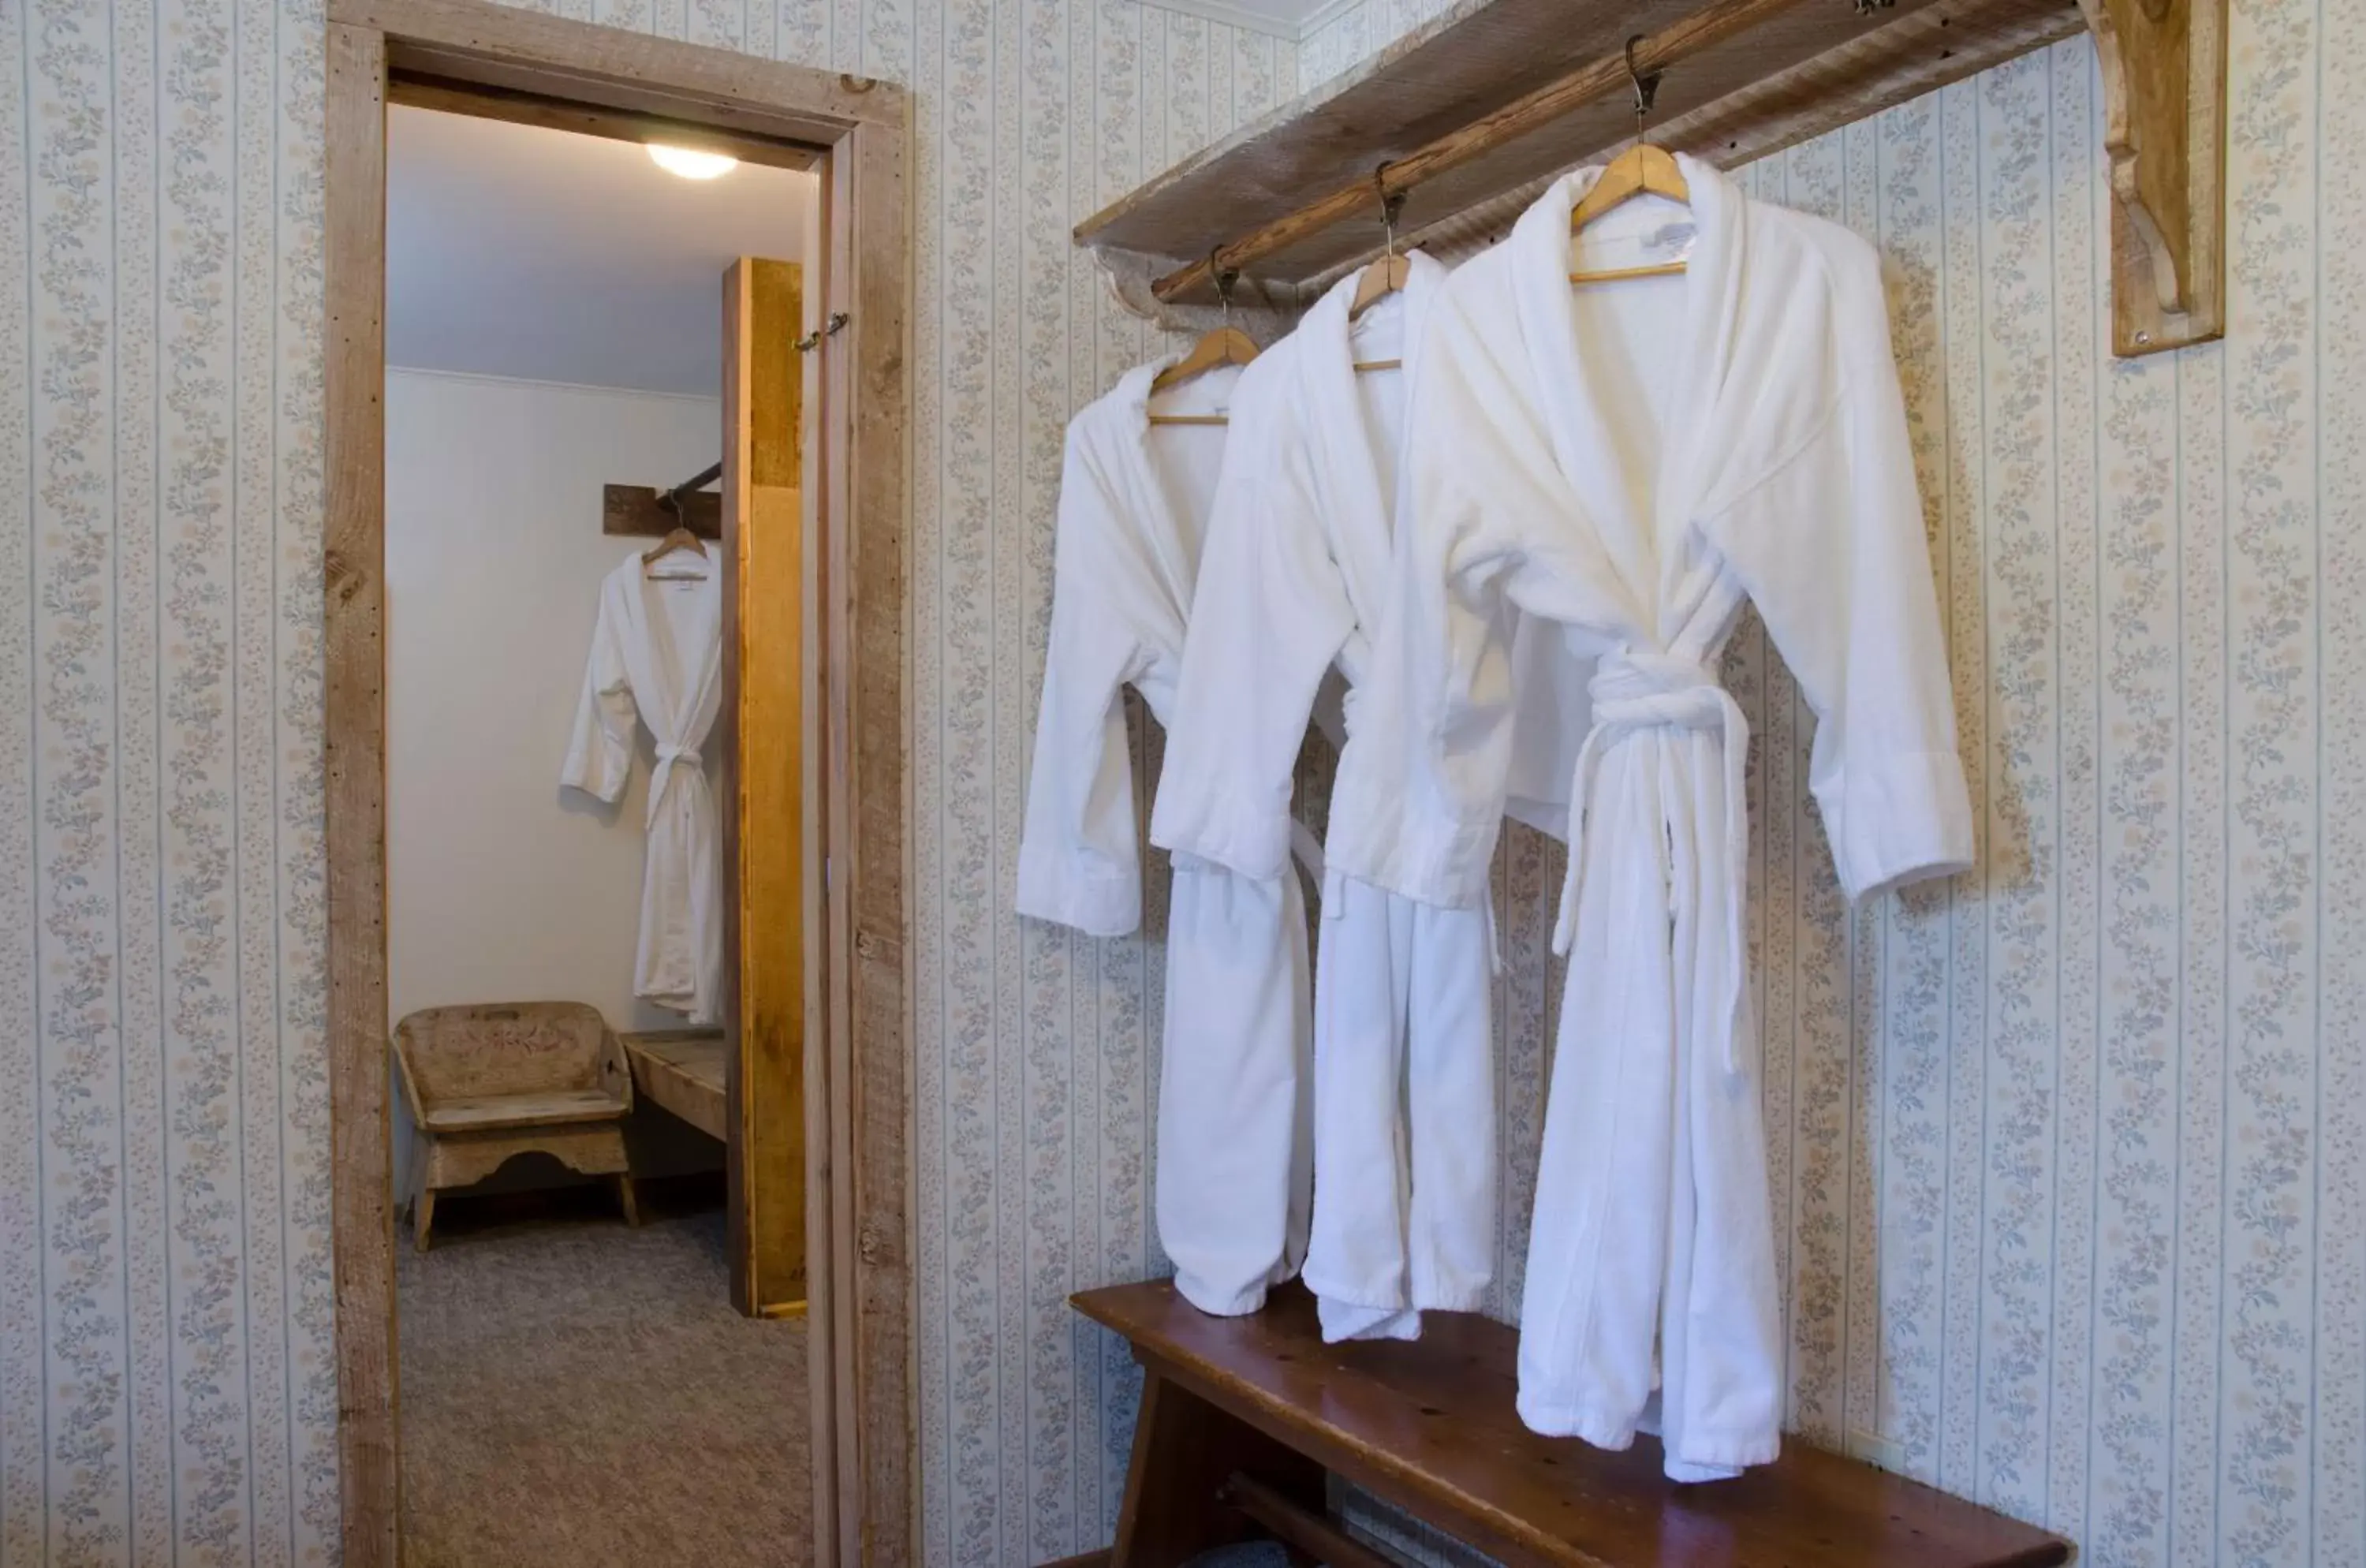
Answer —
(601, 1338)
(853, 733)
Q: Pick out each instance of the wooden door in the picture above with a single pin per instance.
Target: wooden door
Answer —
(764, 821)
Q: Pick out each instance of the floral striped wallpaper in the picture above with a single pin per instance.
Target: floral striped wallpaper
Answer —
(2072, 1154)
(167, 1381)
(1346, 37)
(1036, 1085)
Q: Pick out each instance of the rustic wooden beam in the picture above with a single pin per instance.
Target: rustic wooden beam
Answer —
(1918, 52)
(500, 46)
(633, 509)
(1490, 115)
(765, 839)
(354, 721)
(863, 589)
(522, 107)
(2163, 64)
(1523, 116)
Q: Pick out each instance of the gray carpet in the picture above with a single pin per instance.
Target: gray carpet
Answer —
(576, 1395)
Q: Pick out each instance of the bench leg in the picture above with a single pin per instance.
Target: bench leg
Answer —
(1184, 1450)
(422, 1216)
(626, 1196)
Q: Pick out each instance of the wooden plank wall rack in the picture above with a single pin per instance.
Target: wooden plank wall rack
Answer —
(637, 511)
(1243, 1417)
(1471, 116)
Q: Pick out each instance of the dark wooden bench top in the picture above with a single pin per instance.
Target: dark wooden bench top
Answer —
(1430, 1425)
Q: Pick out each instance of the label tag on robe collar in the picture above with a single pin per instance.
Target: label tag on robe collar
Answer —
(1660, 245)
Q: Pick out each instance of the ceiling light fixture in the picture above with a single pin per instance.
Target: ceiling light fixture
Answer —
(690, 162)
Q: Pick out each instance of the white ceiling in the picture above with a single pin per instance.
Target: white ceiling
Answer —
(517, 251)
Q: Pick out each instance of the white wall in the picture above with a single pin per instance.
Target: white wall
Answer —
(502, 885)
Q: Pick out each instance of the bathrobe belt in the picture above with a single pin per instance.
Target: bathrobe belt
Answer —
(668, 759)
(1636, 691)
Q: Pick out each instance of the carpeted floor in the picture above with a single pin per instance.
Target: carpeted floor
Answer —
(577, 1394)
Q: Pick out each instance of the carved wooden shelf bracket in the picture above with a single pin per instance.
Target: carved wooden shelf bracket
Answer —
(2164, 70)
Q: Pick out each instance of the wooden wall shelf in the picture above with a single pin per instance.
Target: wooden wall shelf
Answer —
(1471, 114)
(635, 510)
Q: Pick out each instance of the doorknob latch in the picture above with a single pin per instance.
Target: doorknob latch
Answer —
(812, 340)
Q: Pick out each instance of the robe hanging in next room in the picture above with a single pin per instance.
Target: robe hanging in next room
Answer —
(656, 659)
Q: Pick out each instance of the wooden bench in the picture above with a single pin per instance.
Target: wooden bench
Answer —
(488, 1083)
(682, 1070)
(1243, 1416)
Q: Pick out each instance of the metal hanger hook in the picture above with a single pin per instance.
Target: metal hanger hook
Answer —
(1226, 277)
(1647, 86)
(1392, 203)
(812, 340)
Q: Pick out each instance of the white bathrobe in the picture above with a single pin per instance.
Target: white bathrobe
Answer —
(1291, 581)
(1233, 1163)
(656, 656)
(1633, 460)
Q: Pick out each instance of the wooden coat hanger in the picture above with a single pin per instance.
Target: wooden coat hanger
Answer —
(1225, 345)
(1387, 275)
(678, 538)
(1644, 169)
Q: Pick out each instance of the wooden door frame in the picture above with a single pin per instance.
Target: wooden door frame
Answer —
(859, 1030)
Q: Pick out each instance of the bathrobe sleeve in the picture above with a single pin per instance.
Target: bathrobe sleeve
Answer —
(1080, 855)
(599, 755)
(1830, 547)
(1419, 798)
(1268, 615)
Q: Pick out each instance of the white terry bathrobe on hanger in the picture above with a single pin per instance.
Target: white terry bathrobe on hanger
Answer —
(657, 658)
(1233, 1165)
(1634, 461)
(1291, 581)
